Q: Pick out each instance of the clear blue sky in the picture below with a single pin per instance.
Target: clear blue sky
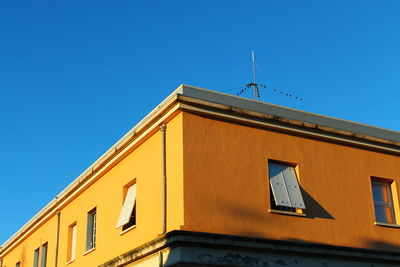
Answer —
(76, 75)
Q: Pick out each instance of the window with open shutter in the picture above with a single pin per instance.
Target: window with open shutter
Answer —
(128, 208)
(284, 186)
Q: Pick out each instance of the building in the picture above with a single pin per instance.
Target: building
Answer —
(209, 179)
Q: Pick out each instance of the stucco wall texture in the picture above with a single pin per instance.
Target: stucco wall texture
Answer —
(227, 188)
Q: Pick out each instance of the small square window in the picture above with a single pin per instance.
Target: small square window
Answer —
(284, 188)
(383, 201)
(91, 229)
(127, 217)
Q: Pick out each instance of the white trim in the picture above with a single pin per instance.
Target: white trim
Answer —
(287, 212)
(88, 251)
(69, 262)
(387, 225)
(128, 229)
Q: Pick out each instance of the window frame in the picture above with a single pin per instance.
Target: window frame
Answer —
(43, 252)
(285, 209)
(36, 257)
(391, 204)
(72, 238)
(91, 229)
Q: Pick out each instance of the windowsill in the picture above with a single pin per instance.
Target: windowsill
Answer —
(70, 261)
(387, 225)
(88, 251)
(287, 213)
(127, 230)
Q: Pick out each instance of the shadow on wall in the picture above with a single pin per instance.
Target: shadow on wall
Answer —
(313, 208)
(242, 213)
(368, 244)
(381, 245)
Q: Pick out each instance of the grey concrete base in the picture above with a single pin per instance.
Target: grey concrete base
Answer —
(195, 256)
(184, 249)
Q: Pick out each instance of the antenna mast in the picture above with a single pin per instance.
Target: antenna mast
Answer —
(254, 84)
(253, 61)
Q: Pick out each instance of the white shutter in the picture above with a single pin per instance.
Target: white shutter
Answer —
(293, 188)
(128, 206)
(277, 182)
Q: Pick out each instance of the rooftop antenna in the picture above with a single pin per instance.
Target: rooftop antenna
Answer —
(254, 83)
(256, 86)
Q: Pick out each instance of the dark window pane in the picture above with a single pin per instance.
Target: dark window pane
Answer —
(380, 191)
(383, 214)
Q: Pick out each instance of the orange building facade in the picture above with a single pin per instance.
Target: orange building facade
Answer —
(208, 179)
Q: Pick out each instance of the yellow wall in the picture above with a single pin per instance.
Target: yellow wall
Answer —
(227, 190)
(174, 143)
(143, 164)
(24, 252)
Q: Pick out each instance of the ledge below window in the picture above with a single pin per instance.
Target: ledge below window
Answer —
(127, 230)
(287, 213)
(88, 251)
(70, 261)
(387, 225)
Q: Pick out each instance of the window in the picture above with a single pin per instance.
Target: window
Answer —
(71, 242)
(43, 259)
(383, 202)
(36, 258)
(18, 264)
(91, 230)
(285, 189)
(127, 217)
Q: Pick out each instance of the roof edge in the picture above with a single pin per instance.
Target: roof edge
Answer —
(290, 113)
